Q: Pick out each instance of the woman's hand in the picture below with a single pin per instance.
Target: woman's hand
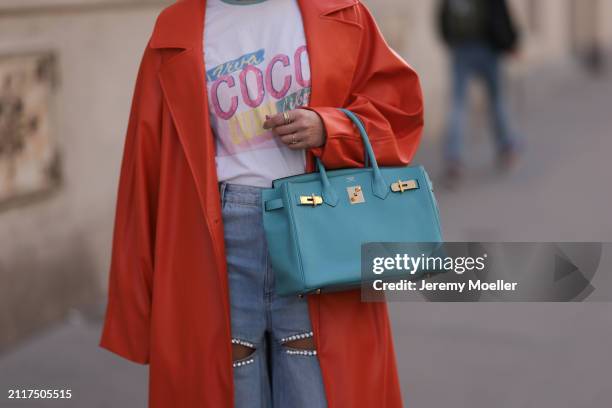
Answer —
(298, 129)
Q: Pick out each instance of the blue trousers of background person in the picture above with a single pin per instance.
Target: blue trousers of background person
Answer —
(482, 62)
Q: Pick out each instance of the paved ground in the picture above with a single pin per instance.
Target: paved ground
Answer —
(459, 355)
(67, 357)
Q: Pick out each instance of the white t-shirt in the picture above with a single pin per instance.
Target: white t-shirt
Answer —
(256, 65)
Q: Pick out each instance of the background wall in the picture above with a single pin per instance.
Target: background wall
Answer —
(54, 248)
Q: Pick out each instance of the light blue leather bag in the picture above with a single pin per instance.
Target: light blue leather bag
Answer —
(316, 223)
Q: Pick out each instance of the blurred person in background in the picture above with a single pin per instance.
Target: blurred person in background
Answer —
(478, 34)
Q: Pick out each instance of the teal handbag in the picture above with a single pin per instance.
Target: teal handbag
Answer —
(316, 223)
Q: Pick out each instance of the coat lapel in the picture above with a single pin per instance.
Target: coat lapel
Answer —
(183, 84)
(333, 38)
(182, 76)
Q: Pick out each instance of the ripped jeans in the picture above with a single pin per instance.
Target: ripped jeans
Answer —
(273, 374)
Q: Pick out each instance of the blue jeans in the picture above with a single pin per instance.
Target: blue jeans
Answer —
(477, 60)
(274, 375)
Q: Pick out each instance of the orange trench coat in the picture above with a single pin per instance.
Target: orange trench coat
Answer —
(168, 294)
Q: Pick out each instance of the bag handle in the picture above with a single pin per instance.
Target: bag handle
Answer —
(356, 119)
(380, 187)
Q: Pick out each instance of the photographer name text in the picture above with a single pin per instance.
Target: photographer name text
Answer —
(499, 285)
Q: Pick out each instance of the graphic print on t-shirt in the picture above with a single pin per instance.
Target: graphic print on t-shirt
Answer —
(256, 65)
(246, 89)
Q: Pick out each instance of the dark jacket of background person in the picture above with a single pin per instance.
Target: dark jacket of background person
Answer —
(488, 21)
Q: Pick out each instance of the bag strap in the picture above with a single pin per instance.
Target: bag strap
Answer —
(364, 135)
(357, 120)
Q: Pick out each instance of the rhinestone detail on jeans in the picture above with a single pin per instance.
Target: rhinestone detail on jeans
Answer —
(297, 337)
(243, 362)
(243, 343)
(295, 352)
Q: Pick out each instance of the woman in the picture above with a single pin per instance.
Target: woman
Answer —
(191, 292)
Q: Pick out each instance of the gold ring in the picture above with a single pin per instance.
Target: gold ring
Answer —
(286, 118)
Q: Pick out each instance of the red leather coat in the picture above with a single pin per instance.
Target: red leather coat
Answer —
(168, 294)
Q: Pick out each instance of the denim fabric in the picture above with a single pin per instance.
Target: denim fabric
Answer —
(275, 375)
(477, 60)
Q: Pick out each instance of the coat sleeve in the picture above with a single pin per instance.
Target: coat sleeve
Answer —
(128, 314)
(386, 95)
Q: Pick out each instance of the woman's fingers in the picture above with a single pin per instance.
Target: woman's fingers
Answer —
(284, 130)
(291, 139)
(298, 129)
(282, 119)
(295, 141)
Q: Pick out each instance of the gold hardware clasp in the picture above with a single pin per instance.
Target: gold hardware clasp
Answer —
(312, 200)
(401, 186)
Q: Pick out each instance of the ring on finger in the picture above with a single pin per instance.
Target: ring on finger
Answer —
(286, 118)
(293, 141)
